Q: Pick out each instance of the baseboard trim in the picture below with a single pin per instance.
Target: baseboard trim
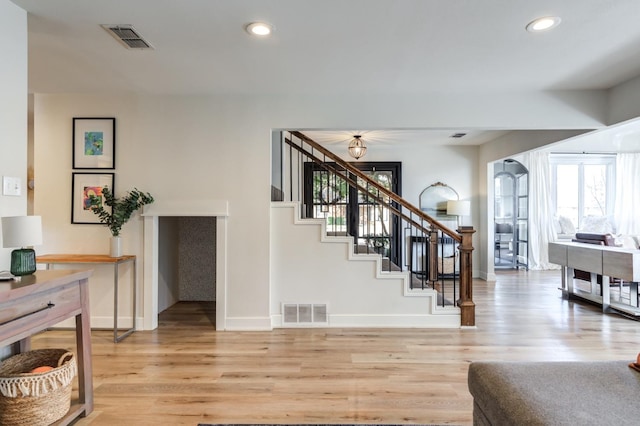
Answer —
(248, 324)
(487, 276)
(384, 321)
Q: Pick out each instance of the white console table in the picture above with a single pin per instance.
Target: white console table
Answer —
(609, 262)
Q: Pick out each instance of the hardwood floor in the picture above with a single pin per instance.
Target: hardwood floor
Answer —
(186, 373)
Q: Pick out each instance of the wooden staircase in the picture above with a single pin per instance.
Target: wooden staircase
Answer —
(450, 293)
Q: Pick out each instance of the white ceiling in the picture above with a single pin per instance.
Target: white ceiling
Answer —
(399, 138)
(333, 47)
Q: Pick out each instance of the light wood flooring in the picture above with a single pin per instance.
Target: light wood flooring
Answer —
(185, 373)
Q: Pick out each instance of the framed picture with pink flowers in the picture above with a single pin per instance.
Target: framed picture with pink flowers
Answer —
(84, 186)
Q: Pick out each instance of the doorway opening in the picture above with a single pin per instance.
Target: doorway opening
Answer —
(186, 270)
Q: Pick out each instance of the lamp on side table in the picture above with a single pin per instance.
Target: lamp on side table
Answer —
(22, 231)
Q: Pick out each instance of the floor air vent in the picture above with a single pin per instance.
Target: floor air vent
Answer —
(304, 315)
(128, 36)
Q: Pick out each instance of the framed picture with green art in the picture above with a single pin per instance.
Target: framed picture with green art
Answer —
(94, 143)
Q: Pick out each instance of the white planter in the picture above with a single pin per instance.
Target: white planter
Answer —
(116, 247)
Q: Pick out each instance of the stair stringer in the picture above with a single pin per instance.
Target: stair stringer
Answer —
(448, 316)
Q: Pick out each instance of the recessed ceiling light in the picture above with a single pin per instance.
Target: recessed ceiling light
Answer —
(259, 29)
(543, 24)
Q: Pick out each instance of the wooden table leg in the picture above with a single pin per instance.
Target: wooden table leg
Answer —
(83, 339)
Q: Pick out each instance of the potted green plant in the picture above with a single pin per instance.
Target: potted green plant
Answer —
(121, 211)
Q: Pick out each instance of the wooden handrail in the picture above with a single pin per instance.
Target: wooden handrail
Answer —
(453, 234)
(355, 184)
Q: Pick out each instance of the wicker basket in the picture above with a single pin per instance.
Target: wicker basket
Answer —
(36, 398)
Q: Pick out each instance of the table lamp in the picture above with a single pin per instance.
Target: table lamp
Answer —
(458, 208)
(22, 231)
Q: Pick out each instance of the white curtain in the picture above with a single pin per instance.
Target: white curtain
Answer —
(541, 229)
(627, 205)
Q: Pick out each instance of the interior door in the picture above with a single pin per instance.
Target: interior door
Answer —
(511, 191)
(504, 209)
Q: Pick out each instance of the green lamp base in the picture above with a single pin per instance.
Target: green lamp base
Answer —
(23, 262)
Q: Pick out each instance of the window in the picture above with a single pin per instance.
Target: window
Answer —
(583, 185)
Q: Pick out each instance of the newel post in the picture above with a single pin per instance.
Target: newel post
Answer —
(466, 304)
(433, 259)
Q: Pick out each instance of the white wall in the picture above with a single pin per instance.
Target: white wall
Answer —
(623, 101)
(13, 110)
(52, 196)
(353, 294)
(194, 147)
(13, 115)
(168, 236)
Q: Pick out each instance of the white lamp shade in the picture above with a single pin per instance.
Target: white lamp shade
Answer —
(21, 231)
(458, 208)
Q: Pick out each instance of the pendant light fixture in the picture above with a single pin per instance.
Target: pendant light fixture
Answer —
(357, 148)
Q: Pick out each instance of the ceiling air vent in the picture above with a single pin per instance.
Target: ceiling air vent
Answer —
(128, 36)
(458, 135)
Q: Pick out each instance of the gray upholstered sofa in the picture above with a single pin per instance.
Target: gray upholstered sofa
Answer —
(554, 393)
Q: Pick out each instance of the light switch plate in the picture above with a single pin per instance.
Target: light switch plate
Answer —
(11, 186)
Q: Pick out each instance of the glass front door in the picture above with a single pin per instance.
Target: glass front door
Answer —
(349, 211)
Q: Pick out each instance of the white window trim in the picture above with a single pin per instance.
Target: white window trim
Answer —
(608, 160)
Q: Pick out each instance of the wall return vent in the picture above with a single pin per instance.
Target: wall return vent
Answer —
(304, 315)
(128, 36)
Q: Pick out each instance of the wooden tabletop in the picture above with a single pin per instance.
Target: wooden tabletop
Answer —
(82, 258)
(27, 284)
